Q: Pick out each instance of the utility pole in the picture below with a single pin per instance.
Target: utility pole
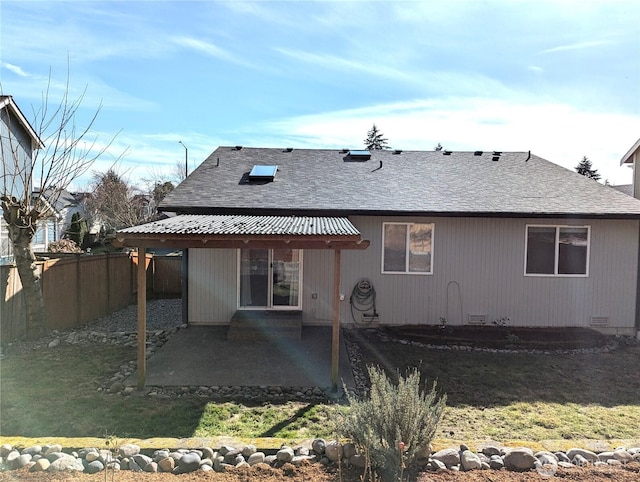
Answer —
(186, 160)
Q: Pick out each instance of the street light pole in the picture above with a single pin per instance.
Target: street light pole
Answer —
(186, 160)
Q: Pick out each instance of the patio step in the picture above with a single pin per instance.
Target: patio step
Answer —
(265, 325)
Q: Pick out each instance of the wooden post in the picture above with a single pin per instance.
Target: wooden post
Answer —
(142, 317)
(335, 345)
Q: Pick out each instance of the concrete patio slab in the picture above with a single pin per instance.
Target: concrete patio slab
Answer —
(202, 356)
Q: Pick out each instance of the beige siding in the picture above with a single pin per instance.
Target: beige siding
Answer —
(318, 280)
(212, 285)
(478, 269)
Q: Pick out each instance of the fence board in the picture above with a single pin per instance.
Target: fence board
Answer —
(79, 289)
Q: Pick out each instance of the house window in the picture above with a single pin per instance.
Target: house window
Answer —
(407, 248)
(557, 251)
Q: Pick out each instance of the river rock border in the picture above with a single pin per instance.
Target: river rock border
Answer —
(490, 456)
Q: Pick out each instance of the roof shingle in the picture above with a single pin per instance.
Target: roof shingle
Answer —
(319, 182)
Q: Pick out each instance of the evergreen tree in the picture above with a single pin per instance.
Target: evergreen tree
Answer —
(77, 229)
(375, 140)
(585, 168)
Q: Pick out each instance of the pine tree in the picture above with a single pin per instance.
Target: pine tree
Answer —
(375, 140)
(585, 168)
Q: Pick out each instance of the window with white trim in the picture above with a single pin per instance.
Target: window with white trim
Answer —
(557, 250)
(407, 248)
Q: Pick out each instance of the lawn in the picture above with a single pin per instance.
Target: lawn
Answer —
(55, 393)
(524, 396)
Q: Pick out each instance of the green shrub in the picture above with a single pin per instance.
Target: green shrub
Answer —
(395, 423)
(77, 229)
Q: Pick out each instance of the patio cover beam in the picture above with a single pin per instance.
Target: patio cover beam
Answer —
(249, 242)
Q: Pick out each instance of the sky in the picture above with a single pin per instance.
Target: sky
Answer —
(559, 78)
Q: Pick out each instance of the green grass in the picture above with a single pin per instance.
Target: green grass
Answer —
(54, 393)
(520, 396)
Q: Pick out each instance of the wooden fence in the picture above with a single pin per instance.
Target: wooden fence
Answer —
(79, 289)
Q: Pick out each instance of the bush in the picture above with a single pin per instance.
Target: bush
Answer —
(77, 229)
(395, 423)
(64, 246)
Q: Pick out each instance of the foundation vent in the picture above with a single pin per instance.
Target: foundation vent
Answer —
(599, 320)
(477, 319)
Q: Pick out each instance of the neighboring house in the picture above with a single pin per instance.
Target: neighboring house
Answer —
(18, 143)
(624, 188)
(61, 206)
(632, 158)
(471, 237)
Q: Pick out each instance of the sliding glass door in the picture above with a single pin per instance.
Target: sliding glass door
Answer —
(270, 278)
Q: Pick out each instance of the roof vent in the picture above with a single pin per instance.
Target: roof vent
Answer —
(397, 151)
(497, 153)
(446, 153)
(289, 149)
(263, 173)
(344, 151)
(495, 158)
(477, 153)
(357, 156)
(237, 148)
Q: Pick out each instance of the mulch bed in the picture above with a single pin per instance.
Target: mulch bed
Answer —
(508, 337)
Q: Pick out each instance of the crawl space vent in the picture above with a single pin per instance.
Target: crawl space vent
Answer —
(477, 319)
(599, 320)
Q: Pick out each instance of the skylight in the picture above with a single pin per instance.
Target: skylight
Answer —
(358, 155)
(263, 173)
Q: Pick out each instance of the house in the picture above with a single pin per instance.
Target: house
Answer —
(18, 143)
(61, 205)
(632, 159)
(350, 237)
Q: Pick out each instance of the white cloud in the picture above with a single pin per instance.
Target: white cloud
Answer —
(15, 69)
(576, 46)
(209, 49)
(557, 132)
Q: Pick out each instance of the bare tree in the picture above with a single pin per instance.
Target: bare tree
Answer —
(66, 152)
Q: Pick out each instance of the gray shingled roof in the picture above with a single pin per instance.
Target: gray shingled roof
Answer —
(320, 182)
(243, 225)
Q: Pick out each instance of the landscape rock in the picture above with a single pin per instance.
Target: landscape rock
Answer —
(189, 462)
(519, 459)
(166, 464)
(587, 454)
(469, 460)
(318, 446)
(256, 458)
(348, 450)
(285, 454)
(94, 467)
(333, 451)
(496, 462)
(65, 464)
(129, 450)
(448, 457)
(41, 465)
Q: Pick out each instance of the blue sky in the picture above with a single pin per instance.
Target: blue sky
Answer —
(559, 78)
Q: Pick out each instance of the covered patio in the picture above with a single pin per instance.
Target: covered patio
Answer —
(249, 232)
(203, 356)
